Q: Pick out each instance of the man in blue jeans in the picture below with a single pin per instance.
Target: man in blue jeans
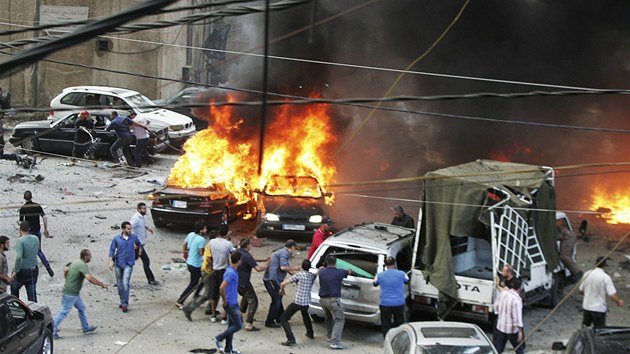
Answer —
(74, 273)
(25, 270)
(229, 295)
(274, 275)
(122, 257)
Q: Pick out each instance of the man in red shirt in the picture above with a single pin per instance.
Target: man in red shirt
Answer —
(320, 235)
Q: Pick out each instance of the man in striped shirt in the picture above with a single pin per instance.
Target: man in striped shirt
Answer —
(301, 301)
(509, 310)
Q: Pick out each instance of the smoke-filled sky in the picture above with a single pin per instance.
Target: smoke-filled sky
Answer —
(559, 42)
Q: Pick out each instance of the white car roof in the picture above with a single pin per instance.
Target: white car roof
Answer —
(102, 89)
(373, 235)
(451, 335)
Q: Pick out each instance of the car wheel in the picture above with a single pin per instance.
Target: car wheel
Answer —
(407, 313)
(30, 144)
(47, 343)
(119, 152)
(557, 289)
(317, 318)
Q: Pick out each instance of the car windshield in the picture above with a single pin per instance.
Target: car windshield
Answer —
(363, 264)
(455, 349)
(293, 186)
(141, 103)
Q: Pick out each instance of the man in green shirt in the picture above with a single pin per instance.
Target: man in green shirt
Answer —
(74, 273)
(25, 270)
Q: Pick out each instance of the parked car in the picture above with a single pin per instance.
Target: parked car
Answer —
(72, 99)
(184, 206)
(605, 340)
(58, 136)
(24, 328)
(363, 248)
(183, 97)
(290, 205)
(439, 337)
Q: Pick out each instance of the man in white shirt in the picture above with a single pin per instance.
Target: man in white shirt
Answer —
(596, 284)
(509, 309)
(142, 137)
(221, 248)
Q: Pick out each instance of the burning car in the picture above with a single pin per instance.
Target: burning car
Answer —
(291, 205)
(184, 206)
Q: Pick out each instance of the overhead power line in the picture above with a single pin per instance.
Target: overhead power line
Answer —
(83, 34)
(52, 26)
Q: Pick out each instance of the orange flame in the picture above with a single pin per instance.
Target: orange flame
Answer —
(299, 141)
(615, 205)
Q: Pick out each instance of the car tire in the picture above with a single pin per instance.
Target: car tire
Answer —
(119, 152)
(557, 289)
(47, 342)
(407, 314)
(316, 318)
(159, 223)
(29, 144)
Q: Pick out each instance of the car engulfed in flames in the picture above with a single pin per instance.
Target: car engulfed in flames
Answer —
(291, 205)
(216, 177)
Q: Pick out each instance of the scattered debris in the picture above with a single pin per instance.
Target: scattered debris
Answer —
(100, 217)
(59, 211)
(199, 350)
(178, 260)
(115, 227)
(166, 267)
(121, 343)
(67, 192)
(98, 193)
(22, 178)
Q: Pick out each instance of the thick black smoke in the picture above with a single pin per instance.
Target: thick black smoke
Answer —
(571, 43)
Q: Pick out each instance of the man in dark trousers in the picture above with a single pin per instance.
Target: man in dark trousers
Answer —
(509, 309)
(596, 285)
(402, 219)
(392, 305)
(301, 302)
(273, 277)
(249, 300)
(31, 212)
(330, 279)
(122, 127)
(83, 127)
(25, 270)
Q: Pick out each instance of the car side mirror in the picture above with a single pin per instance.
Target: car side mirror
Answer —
(558, 346)
(38, 316)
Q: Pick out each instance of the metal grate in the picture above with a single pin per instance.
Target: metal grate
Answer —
(512, 248)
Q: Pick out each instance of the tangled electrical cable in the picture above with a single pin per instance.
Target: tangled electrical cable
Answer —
(116, 23)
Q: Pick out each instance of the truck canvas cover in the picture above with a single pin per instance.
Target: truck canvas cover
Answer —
(454, 205)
